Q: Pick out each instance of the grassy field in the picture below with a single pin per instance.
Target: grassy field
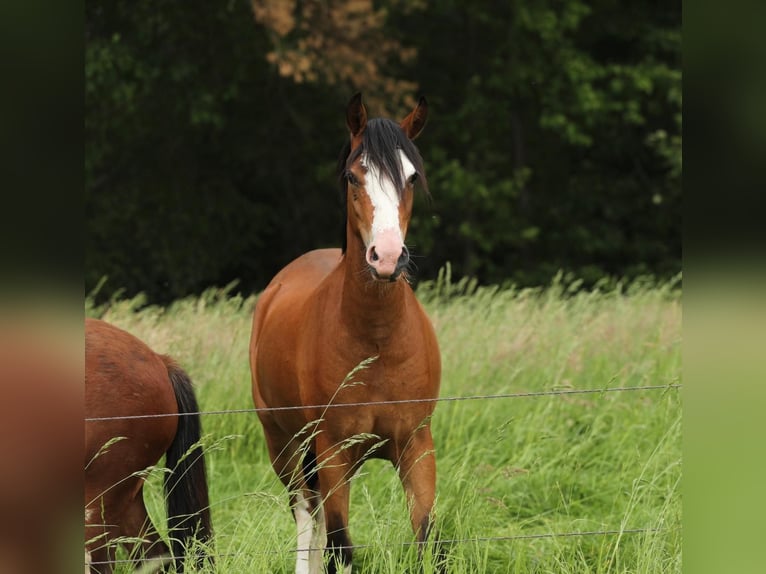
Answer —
(509, 468)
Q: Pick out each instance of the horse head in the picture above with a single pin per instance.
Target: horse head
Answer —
(379, 174)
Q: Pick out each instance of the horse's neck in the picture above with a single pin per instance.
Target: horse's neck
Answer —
(372, 310)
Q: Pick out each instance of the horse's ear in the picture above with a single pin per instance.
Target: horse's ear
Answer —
(356, 115)
(413, 124)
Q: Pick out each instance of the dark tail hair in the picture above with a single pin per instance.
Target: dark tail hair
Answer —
(186, 483)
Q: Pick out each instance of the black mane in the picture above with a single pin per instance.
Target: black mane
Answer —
(381, 141)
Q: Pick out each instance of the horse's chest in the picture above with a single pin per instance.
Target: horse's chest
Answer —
(375, 373)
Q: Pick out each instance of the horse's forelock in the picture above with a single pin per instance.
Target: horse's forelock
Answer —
(380, 144)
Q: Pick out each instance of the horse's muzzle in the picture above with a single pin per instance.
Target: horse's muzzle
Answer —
(401, 264)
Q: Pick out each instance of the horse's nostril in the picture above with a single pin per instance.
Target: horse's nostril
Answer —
(374, 254)
(405, 256)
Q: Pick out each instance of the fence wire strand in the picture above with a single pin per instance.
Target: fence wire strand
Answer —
(480, 539)
(401, 401)
(424, 543)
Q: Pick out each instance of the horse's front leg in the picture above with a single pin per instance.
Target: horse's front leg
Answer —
(417, 471)
(335, 471)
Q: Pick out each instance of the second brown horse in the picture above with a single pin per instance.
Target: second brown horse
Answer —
(327, 313)
(140, 406)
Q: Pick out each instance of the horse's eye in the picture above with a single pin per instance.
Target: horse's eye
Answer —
(351, 178)
(413, 178)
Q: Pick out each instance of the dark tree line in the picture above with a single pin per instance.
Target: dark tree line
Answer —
(213, 129)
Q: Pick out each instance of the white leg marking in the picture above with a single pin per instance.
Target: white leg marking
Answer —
(305, 524)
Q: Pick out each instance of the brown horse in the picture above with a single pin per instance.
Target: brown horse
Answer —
(125, 378)
(332, 310)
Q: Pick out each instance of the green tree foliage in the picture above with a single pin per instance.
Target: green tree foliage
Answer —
(556, 138)
(212, 132)
(200, 164)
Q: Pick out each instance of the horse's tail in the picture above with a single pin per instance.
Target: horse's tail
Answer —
(186, 482)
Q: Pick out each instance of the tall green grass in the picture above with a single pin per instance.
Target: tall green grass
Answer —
(508, 469)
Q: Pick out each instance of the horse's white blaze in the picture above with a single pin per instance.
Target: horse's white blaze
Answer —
(312, 537)
(384, 197)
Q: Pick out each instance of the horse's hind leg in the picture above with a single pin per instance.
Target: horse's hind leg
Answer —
(310, 519)
(335, 472)
(136, 525)
(294, 465)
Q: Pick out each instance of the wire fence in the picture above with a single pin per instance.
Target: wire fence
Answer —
(401, 401)
(441, 541)
(480, 539)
